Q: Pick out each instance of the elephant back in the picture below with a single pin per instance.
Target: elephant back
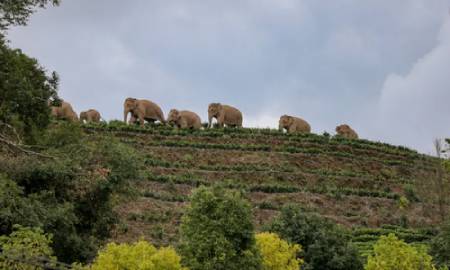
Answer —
(232, 115)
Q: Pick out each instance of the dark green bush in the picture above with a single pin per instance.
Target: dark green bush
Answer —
(440, 246)
(326, 246)
(71, 196)
(217, 232)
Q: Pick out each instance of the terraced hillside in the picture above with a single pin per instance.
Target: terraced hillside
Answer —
(360, 184)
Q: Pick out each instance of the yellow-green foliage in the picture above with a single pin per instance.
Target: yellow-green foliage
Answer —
(278, 254)
(140, 256)
(390, 253)
(25, 247)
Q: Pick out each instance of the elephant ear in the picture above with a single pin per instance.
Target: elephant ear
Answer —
(289, 119)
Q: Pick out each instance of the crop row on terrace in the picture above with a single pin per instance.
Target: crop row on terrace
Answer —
(365, 238)
(255, 133)
(267, 148)
(275, 188)
(268, 169)
(343, 151)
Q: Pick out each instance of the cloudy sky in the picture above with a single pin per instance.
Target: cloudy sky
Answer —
(382, 66)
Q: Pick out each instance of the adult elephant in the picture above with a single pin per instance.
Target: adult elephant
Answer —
(347, 132)
(293, 124)
(184, 119)
(90, 116)
(225, 115)
(64, 112)
(142, 110)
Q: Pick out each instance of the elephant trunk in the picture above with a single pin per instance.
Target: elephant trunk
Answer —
(125, 115)
(280, 127)
(210, 117)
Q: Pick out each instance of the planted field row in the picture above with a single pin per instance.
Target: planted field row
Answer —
(267, 148)
(337, 150)
(345, 175)
(255, 133)
(273, 188)
(365, 238)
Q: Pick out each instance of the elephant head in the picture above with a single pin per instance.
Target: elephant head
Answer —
(83, 116)
(214, 110)
(285, 122)
(129, 105)
(342, 128)
(174, 117)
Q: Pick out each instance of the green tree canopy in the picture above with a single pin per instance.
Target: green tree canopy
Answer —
(17, 12)
(25, 247)
(71, 196)
(141, 255)
(440, 246)
(325, 245)
(390, 253)
(25, 89)
(278, 254)
(217, 232)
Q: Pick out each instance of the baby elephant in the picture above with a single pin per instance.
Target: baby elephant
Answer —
(64, 112)
(184, 119)
(294, 124)
(90, 116)
(225, 115)
(346, 131)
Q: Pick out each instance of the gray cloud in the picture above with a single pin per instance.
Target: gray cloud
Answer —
(327, 61)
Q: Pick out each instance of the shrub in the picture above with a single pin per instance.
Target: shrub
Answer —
(326, 245)
(72, 196)
(217, 232)
(390, 253)
(276, 253)
(23, 246)
(140, 255)
(440, 246)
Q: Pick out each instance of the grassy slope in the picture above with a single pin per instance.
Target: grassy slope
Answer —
(356, 183)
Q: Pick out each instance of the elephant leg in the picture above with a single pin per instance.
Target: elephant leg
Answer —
(221, 121)
(141, 120)
(183, 124)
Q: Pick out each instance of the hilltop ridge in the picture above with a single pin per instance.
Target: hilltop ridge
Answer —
(357, 183)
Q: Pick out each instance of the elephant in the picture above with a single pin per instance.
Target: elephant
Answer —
(184, 119)
(225, 115)
(294, 124)
(142, 110)
(64, 112)
(90, 116)
(346, 131)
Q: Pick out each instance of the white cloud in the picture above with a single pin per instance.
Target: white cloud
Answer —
(262, 121)
(414, 108)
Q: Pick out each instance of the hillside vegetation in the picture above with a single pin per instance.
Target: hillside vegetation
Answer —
(373, 188)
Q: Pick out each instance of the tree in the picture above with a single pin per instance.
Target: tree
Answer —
(440, 246)
(217, 232)
(326, 246)
(17, 12)
(390, 253)
(24, 248)
(141, 255)
(72, 196)
(277, 254)
(25, 91)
